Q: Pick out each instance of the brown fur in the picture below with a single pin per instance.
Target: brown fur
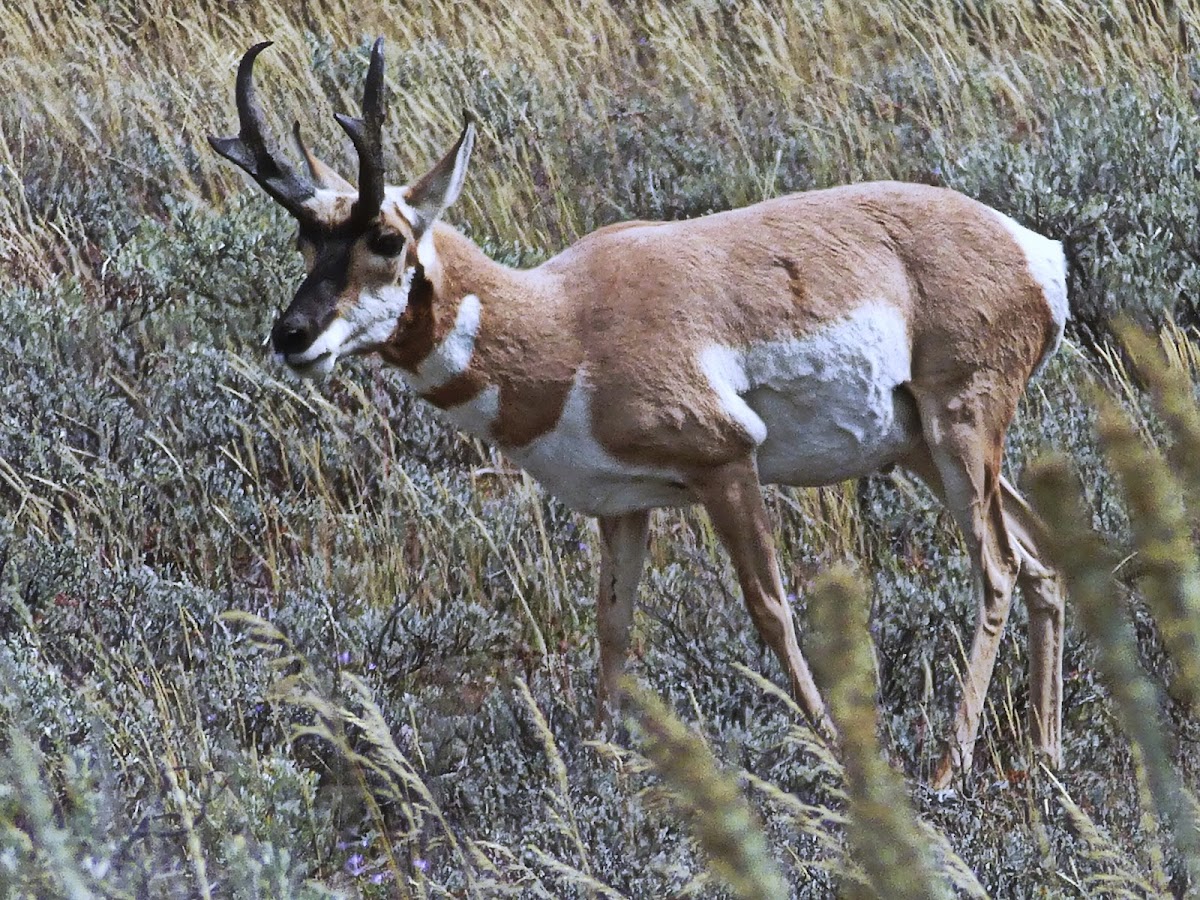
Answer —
(633, 305)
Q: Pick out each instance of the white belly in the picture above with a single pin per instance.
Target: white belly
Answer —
(822, 409)
(823, 436)
(571, 465)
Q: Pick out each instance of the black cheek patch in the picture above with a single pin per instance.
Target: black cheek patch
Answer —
(316, 302)
(317, 299)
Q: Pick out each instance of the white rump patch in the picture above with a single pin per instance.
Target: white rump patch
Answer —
(1048, 266)
(825, 407)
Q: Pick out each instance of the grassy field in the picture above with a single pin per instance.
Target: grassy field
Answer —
(265, 639)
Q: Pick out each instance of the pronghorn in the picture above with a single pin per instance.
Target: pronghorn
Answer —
(804, 340)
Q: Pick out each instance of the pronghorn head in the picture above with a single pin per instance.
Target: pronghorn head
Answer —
(362, 248)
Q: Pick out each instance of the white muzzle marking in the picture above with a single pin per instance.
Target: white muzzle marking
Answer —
(368, 324)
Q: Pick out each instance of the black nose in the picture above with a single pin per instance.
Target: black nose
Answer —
(293, 334)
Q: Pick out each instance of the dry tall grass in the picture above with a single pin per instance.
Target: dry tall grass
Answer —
(90, 89)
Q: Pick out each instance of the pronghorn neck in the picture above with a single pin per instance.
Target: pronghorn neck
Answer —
(435, 337)
(472, 329)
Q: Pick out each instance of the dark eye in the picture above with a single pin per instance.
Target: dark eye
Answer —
(385, 243)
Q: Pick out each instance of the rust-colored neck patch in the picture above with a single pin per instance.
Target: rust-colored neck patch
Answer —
(415, 335)
(458, 390)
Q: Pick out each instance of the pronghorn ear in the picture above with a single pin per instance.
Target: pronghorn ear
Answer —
(441, 185)
(322, 174)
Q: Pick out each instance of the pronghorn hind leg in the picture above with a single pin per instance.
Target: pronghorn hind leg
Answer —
(733, 498)
(966, 460)
(623, 542)
(1043, 592)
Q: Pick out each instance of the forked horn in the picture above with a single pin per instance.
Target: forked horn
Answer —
(249, 149)
(367, 136)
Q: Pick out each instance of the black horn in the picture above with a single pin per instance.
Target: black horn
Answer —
(249, 149)
(367, 136)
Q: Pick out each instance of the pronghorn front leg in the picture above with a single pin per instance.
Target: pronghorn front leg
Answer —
(734, 501)
(622, 555)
